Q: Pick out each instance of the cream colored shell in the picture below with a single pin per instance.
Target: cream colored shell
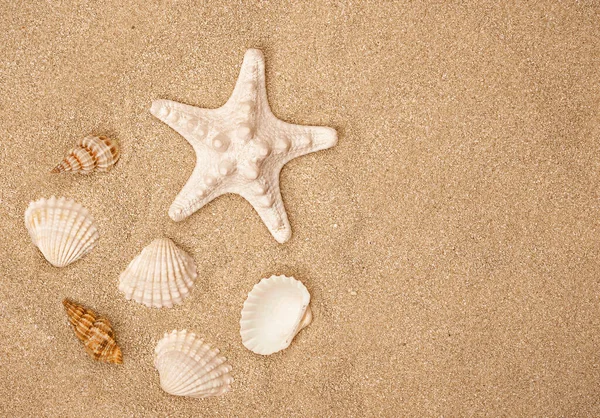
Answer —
(189, 367)
(161, 276)
(274, 312)
(92, 153)
(62, 229)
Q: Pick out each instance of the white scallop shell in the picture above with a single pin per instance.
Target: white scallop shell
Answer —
(274, 312)
(62, 229)
(189, 367)
(162, 275)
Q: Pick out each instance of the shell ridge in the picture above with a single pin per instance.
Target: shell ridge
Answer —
(171, 287)
(139, 278)
(162, 279)
(87, 242)
(182, 272)
(127, 284)
(144, 274)
(54, 235)
(51, 235)
(152, 253)
(38, 216)
(71, 227)
(151, 256)
(50, 232)
(168, 280)
(187, 270)
(65, 250)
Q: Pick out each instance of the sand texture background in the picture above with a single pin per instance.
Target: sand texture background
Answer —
(461, 204)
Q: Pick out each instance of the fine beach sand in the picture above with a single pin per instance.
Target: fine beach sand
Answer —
(450, 241)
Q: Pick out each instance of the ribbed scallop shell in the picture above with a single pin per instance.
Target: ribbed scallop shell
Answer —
(189, 367)
(62, 229)
(274, 312)
(95, 332)
(162, 275)
(92, 153)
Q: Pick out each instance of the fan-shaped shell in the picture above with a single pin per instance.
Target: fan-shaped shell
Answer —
(95, 332)
(92, 153)
(62, 229)
(162, 275)
(274, 312)
(189, 367)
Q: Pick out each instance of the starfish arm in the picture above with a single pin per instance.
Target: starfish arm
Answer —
(250, 88)
(266, 200)
(196, 193)
(189, 121)
(293, 141)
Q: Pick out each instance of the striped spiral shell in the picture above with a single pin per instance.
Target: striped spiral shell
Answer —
(92, 153)
(95, 332)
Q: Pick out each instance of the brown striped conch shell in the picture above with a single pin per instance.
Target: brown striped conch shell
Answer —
(95, 332)
(189, 367)
(92, 153)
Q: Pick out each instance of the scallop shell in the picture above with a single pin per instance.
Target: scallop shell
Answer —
(189, 367)
(92, 153)
(274, 312)
(162, 275)
(62, 229)
(95, 332)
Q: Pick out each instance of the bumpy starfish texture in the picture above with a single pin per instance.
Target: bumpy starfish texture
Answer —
(241, 148)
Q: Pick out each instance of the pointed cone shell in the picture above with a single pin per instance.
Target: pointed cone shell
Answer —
(63, 230)
(92, 153)
(189, 367)
(275, 311)
(94, 332)
(162, 275)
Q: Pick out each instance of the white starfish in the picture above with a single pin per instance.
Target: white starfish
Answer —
(241, 148)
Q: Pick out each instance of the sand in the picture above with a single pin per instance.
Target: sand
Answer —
(450, 240)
